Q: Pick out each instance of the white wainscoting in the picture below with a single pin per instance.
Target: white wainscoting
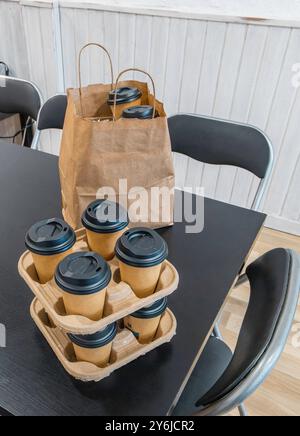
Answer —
(231, 70)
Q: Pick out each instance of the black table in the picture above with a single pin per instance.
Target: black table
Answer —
(32, 381)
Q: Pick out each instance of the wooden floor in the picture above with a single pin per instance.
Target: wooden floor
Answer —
(280, 395)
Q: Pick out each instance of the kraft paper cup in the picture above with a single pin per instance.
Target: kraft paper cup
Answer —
(126, 97)
(83, 278)
(105, 222)
(49, 242)
(95, 348)
(144, 323)
(141, 253)
(139, 112)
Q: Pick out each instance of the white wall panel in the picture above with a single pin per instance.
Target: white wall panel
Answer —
(12, 38)
(233, 70)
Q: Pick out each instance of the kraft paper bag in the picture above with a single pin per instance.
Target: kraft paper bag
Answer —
(132, 157)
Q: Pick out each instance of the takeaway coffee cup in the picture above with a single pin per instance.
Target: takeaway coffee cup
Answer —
(105, 222)
(144, 323)
(95, 348)
(140, 112)
(49, 242)
(83, 278)
(141, 253)
(126, 98)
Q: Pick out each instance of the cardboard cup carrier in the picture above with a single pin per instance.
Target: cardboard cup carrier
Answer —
(91, 347)
(125, 347)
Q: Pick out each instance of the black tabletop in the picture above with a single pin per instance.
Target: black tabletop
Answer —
(32, 381)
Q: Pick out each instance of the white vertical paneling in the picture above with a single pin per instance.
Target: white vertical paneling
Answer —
(209, 77)
(81, 36)
(225, 93)
(98, 62)
(275, 53)
(69, 46)
(177, 38)
(175, 63)
(291, 205)
(159, 52)
(211, 63)
(253, 52)
(143, 38)
(41, 58)
(193, 63)
(266, 80)
(127, 41)
(12, 39)
(235, 71)
(283, 129)
(111, 39)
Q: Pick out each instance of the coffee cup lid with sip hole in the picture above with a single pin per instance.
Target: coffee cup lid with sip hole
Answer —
(83, 273)
(49, 237)
(104, 216)
(141, 112)
(97, 340)
(141, 247)
(156, 309)
(124, 95)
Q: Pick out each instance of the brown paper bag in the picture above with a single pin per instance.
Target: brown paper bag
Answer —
(99, 152)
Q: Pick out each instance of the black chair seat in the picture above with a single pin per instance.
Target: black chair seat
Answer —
(210, 367)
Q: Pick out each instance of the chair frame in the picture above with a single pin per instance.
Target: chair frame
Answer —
(264, 182)
(34, 144)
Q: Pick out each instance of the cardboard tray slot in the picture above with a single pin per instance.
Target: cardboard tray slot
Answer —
(125, 348)
(115, 308)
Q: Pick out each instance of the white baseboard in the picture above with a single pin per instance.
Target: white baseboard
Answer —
(283, 224)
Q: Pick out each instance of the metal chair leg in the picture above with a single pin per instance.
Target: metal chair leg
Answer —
(243, 410)
(216, 332)
(241, 280)
(35, 141)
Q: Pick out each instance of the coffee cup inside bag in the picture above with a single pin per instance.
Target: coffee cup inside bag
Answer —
(139, 112)
(144, 323)
(141, 253)
(105, 222)
(95, 348)
(49, 242)
(123, 98)
(83, 278)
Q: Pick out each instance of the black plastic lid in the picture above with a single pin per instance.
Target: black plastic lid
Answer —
(124, 95)
(96, 340)
(83, 273)
(152, 311)
(141, 112)
(141, 247)
(104, 216)
(52, 236)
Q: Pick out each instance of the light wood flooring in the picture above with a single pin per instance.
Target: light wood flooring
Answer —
(280, 395)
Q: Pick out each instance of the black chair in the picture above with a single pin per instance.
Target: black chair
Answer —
(221, 381)
(52, 114)
(22, 97)
(219, 142)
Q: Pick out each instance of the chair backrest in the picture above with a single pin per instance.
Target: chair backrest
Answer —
(52, 114)
(220, 142)
(19, 96)
(275, 285)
